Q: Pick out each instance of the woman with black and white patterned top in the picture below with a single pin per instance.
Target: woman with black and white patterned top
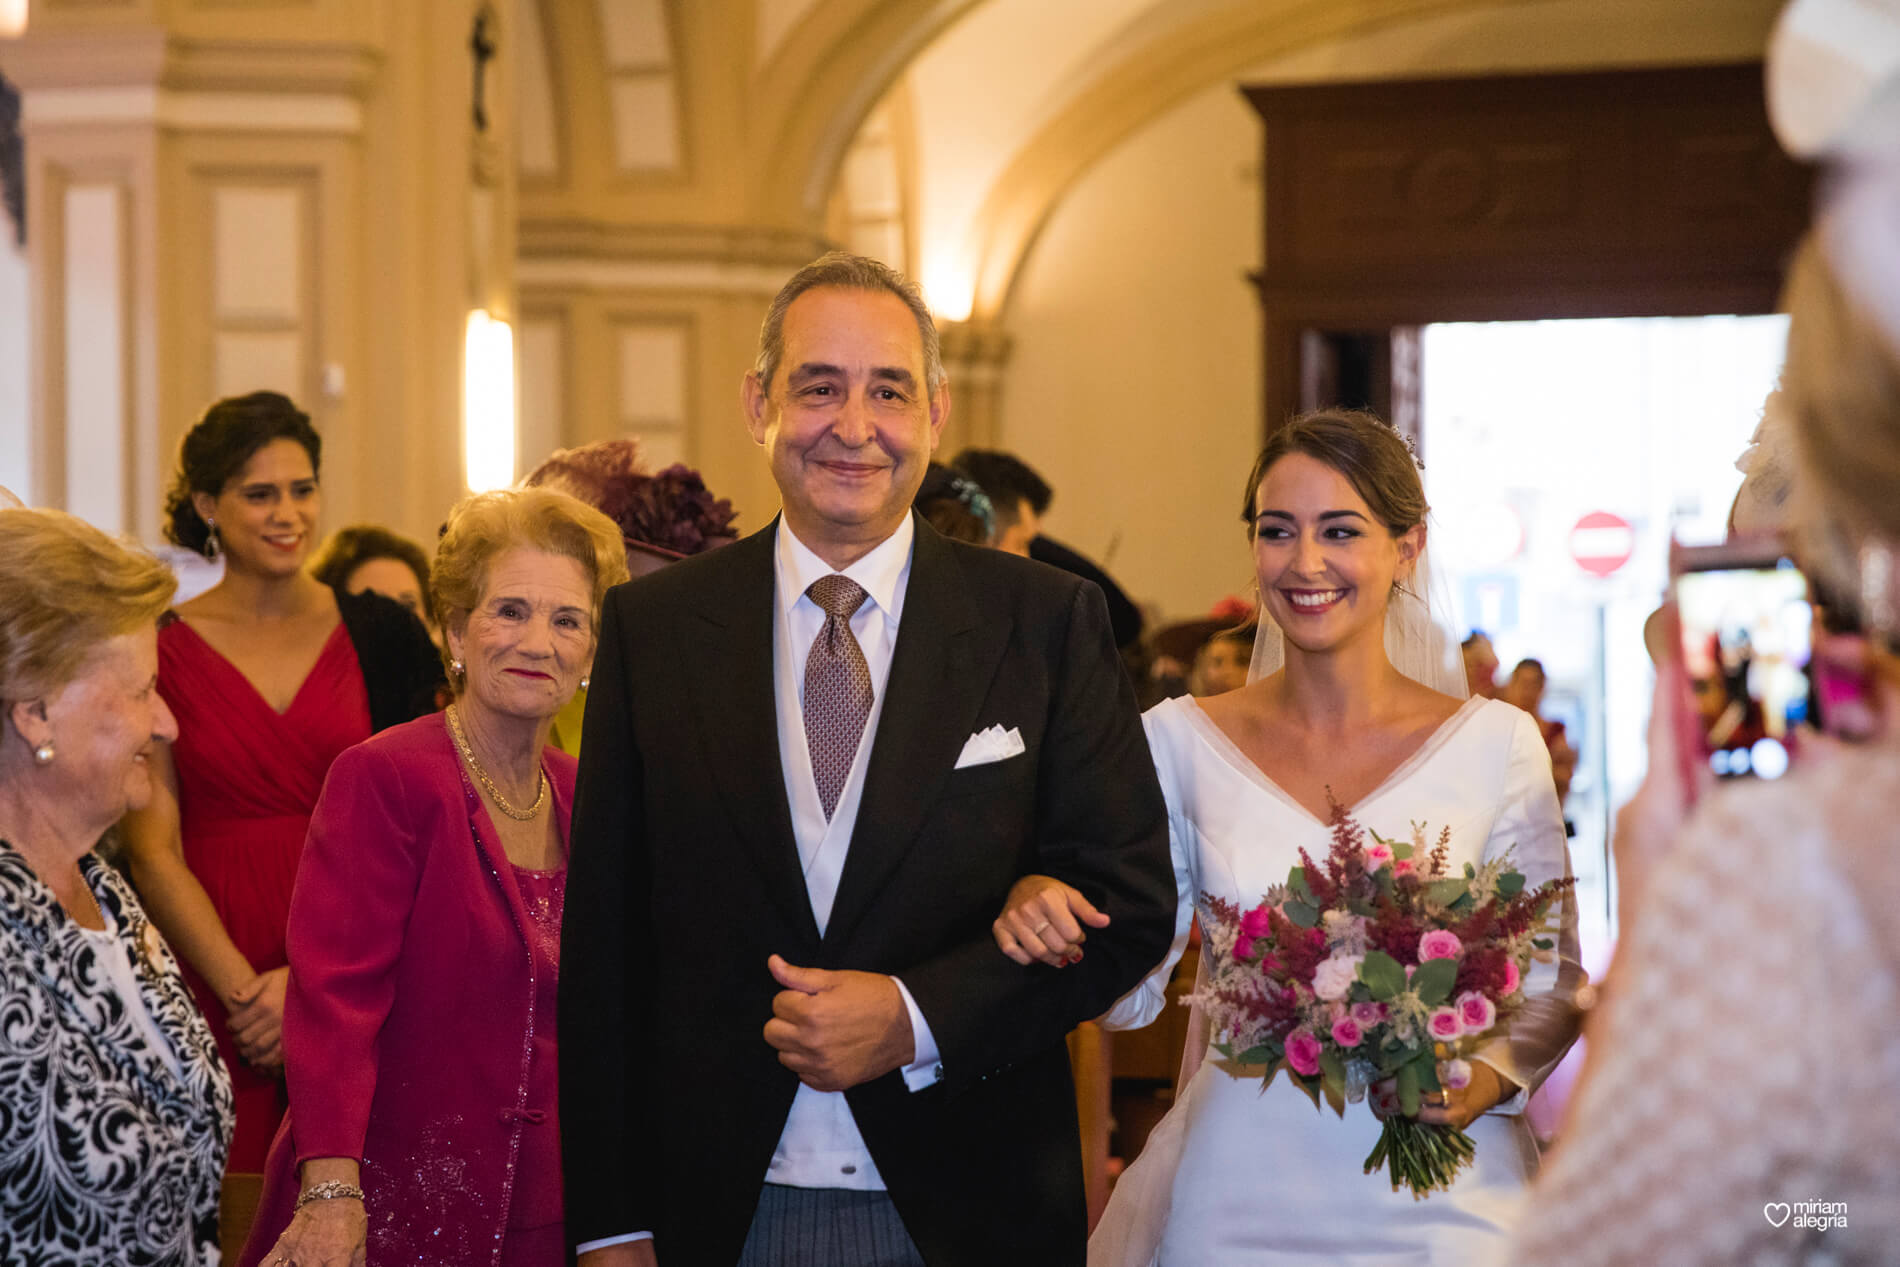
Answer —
(115, 1110)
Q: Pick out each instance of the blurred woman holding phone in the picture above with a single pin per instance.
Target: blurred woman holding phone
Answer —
(1746, 1042)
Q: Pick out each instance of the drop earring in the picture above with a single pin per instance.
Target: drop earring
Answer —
(44, 753)
(213, 546)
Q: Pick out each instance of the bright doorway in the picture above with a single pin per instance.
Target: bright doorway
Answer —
(1528, 427)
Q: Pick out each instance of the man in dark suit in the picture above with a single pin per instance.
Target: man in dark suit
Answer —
(815, 762)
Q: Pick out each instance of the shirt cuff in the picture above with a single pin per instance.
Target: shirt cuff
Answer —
(925, 1068)
(605, 1241)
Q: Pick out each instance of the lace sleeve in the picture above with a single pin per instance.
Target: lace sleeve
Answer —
(1532, 825)
(1741, 1069)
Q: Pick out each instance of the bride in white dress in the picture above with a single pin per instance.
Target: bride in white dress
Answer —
(1234, 1176)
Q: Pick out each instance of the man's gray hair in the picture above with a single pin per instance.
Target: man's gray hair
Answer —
(854, 272)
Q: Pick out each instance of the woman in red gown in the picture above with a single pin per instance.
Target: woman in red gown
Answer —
(271, 674)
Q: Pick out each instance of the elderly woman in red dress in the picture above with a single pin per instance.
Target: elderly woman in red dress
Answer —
(425, 928)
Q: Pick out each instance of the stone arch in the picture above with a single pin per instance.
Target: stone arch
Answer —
(821, 83)
(1136, 88)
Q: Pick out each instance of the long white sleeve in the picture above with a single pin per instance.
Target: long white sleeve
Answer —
(1531, 824)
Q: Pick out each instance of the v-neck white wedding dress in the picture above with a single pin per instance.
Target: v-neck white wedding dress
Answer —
(1241, 1178)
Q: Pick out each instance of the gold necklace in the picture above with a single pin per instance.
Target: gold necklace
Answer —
(501, 802)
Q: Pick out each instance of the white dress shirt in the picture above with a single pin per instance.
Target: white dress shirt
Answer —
(821, 1146)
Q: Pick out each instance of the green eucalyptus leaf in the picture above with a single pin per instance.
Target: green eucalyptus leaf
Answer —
(1383, 976)
(1302, 914)
(1510, 884)
(1446, 892)
(1433, 980)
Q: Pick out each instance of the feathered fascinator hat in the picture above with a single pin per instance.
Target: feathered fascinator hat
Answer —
(670, 515)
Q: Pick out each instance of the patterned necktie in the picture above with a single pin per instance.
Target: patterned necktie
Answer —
(837, 688)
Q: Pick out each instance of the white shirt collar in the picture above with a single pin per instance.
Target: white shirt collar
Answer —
(880, 572)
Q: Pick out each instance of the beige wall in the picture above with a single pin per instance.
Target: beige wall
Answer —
(13, 362)
(283, 194)
(1134, 383)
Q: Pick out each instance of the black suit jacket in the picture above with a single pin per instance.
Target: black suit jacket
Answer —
(684, 876)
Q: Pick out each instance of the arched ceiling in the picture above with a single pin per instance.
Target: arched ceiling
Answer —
(1023, 96)
(1013, 100)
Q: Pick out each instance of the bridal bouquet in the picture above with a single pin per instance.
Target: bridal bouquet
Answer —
(1379, 964)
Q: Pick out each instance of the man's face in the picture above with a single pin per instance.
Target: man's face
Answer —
(1481, 667)
(1017, 534)
(847, 422)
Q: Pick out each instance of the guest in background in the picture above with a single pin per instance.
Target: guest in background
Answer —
(662, 519)
(1525, 688)
(1173, 651)
(1223, 661)
(115, 1111)
(1021, 498)
(270, 674)
(425, 933)
(1771, 904)
(956, 506)
(1481, 665)
(369, 557)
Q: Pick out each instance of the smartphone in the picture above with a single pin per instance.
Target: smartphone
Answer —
(1745, 619)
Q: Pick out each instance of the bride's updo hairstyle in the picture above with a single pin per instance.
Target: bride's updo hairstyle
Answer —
(218, 447)
(1360, 446)
(1843, 386)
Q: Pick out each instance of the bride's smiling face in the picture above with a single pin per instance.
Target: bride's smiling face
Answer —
(1325, 563)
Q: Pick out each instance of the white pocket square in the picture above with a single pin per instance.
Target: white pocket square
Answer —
(992, 745)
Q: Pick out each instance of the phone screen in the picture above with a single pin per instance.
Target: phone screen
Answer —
(1746, 635)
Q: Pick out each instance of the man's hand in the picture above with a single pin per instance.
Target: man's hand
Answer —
(836, 1030)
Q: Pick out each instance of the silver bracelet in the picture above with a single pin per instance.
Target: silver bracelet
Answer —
(328, 1190)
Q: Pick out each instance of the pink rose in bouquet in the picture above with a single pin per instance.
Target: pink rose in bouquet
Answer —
(1347, 1033)
(1475, 1012)
(1440, 943)
(1512, 978)
(1444, 1025)
(1333, 978)
(1302, 1052)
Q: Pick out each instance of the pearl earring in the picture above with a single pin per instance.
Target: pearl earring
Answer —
(455, 667)
(585, 680)
(44, 753)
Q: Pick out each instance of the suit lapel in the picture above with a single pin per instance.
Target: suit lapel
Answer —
(940, 674)
(729, 656)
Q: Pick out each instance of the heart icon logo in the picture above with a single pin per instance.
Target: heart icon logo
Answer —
(1777, 1212)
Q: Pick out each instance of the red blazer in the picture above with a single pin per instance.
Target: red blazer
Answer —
(410, 1015)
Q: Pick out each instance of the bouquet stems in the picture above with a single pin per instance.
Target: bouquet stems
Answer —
(1423, 1157)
